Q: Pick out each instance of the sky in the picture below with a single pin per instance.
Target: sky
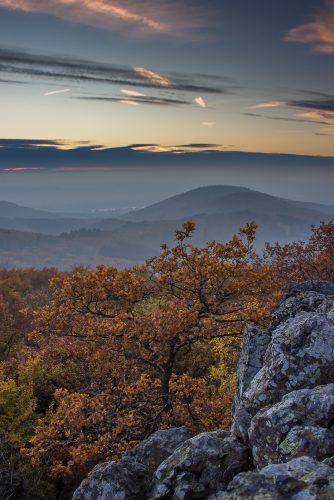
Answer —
(161, 77)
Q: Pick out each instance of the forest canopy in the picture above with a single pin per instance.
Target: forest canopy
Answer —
(92, 362)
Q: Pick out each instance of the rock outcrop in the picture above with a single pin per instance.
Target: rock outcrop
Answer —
(200, 466)
(300, 479)
(301, 424)
(130, 478)
(281, 443)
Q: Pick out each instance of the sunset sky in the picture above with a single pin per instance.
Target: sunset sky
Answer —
(100, 97)
(242, 75)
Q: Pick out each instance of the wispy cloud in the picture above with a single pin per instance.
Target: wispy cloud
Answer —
(200, 101)
(319, 33)
(180, 149)
(209, 124)
(21, 169)
(316, 108)
(270, 104)
(151, 100)
(129, 102)
(8, 81)
(132, 93)
(326, 131)
(60, 91)
(168, 17)
(37, 67)
(286, 119)
(58, 144)
(154, 77)
(322, 104)
(328, 115)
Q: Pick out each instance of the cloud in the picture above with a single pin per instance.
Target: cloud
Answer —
(156, 101)
(37, 67)
(60, 91)
(326, 131)
(319, 33)
(43, 144)
(180, 149)
(209, 124)
(200, 101)
(20, 169)
(129, 101)
(328, 115)
(30, 143)
(62, 155)
(153, 77)
(148, 17)
(285, 119)
(132, 93)
(323, 104)
(7, 81)
(270, 104)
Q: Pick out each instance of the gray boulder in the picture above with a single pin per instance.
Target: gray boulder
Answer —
(301, 424)
(300, 355)
(130, 477)
(309, 296)
(300, 479)
(257, 372)
(200, 466)
(123, 480)
(255, 343)
(157, 447)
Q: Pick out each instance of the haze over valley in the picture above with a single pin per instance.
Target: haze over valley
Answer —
(35, 238)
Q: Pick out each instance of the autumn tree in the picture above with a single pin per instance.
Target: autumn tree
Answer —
(299, 261)
(125, 344)
(21, 291)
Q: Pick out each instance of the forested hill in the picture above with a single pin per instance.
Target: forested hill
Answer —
(225, 200)
(30, 237)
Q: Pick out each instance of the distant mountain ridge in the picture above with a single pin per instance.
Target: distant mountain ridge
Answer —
(218, 211)
(222, 200)
(13, 211)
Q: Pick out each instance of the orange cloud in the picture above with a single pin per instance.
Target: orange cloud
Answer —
(270, 104)
(318, 115)
(129, 101)
(319, 33)
(147, 16)
(153, 77)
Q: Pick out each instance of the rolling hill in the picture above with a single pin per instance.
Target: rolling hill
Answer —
(13, 211)
(223, 200)
(218, 211)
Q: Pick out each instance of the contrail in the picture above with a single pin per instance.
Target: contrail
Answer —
(61, 91)
(132, 93)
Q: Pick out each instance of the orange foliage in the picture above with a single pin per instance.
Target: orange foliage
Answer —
(115, 355)
(118, 336)
(299, 261)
